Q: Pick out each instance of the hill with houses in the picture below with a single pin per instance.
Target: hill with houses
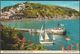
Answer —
(37, 11)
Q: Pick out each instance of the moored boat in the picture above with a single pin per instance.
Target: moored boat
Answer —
(45, 39)
(57, 31)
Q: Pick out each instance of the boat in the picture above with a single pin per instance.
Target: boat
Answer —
(44, 39)
(56, 31)
(59, 30)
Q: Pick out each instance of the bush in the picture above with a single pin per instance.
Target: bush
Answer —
(13, 40)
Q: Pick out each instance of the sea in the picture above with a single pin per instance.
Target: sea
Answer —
(71, 27)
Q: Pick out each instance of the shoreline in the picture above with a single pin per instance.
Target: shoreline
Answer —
(8, 20)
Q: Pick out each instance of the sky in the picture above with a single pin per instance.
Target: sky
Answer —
(70, 4)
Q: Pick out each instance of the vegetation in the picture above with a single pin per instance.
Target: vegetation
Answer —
(36, 10)
(14, 40)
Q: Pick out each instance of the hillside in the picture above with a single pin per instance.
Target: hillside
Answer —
(37, 10)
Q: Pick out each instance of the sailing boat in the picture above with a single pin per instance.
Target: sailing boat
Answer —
(45, 40)
(44, 37)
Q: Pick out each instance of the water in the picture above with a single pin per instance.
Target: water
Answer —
(71, 26)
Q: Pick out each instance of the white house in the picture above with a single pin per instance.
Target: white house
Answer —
(21, 7)
(12, 10)
(5, 15)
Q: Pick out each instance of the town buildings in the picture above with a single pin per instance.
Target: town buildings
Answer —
(12, 13)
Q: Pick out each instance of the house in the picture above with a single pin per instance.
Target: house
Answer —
(12, 10)
(21, 7)
(5, 15)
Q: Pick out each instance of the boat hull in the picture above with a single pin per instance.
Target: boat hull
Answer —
(59, 31)
(46, 42)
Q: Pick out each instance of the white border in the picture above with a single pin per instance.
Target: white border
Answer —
(25, 51)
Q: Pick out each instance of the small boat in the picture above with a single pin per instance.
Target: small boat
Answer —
(59, 31)
(44, 39)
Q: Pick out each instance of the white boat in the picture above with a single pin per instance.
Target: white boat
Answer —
(44, 39)
(58, 31)
(46, 42)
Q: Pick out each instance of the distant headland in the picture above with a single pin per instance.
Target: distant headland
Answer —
(38, 11)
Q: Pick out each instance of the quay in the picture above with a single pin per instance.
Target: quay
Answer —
(49, 31)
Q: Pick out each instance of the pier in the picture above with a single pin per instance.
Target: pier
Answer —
(28, 30)
(50, 30)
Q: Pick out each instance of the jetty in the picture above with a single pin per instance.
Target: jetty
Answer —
(28, 30)
(49, 31)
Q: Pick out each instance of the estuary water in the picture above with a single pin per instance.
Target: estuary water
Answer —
(71, 26)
